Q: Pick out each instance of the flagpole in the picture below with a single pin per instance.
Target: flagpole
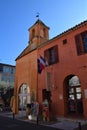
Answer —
(37, 87)
(37, 48)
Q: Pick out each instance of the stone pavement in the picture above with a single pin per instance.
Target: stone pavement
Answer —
(61, 123)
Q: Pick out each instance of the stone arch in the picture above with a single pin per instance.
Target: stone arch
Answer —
(23, 96)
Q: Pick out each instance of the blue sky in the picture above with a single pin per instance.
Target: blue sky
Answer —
(16, 16)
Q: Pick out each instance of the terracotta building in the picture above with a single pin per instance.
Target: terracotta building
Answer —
(63, 81)
(26, 66)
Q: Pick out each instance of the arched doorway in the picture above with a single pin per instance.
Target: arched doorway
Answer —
(73, 95)
(23, 97)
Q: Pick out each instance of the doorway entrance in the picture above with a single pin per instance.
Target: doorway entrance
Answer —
(74, 95)
(24, 97)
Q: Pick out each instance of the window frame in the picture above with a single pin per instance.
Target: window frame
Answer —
(51, 53)
(80, 45)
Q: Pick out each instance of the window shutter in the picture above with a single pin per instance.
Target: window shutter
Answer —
(56, 53)
(78, 44)
(84, 39)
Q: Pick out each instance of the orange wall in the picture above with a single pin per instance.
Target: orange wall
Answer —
(69, 63)
(26, 72)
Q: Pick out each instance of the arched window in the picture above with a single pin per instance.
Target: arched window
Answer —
(24, 96)
(44, 32)
(33, 32)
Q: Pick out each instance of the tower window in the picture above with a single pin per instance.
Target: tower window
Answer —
(33, 32)
(44, 32)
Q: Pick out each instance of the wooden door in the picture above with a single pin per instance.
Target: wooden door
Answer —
(75, 99)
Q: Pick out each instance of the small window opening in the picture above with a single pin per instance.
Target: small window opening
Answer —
(64, 41)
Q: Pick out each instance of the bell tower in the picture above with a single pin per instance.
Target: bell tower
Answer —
(38, 34)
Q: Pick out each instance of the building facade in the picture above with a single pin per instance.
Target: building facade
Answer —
(63, 80)
(7, 76)
(26, 66)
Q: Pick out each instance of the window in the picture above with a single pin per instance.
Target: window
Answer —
(33, 32)
(1, 68)
(64, 41)
(51, 55)
(44, 31)
(6, 69)
(84, 39)
(46, 95)
(81, 43)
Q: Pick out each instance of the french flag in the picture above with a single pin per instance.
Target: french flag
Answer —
(41, 64)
